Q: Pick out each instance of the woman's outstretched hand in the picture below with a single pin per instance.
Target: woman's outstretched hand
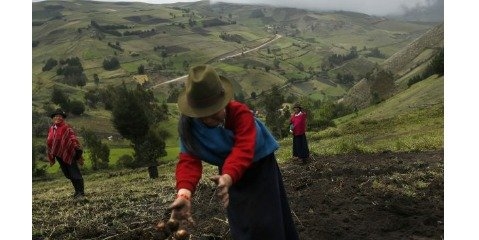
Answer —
(223, 183)
(181, 207)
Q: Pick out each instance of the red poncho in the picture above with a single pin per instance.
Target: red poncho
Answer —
(62, 142)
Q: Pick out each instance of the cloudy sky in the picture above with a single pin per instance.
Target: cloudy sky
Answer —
(372, 7)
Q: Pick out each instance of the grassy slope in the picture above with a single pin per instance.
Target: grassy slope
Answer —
(410, 121)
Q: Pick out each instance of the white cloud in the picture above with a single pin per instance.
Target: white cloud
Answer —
(372, 7)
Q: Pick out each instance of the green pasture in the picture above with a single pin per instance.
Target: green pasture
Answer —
(310, 59)
(115, 154)
(358, 67)
(258, 80)
(317, 88)
(132, 67)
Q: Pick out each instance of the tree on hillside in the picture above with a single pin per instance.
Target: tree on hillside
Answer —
(58, 97)
(147, 151)
(436, 66)
(107, 97)
(381, 85)
(276, 63)
(72, 71)
(253, 95)
(111, 64)
(99, 152)
(96, 79)
(40, 124)
(77, 107)
(49, 64)
(174, 93)
(326, 114)
(291, 98)
(141, 69)
(272, 102)
(129, 118)
(135, 116)
(38, 153)
(375, 52)
(92, 97)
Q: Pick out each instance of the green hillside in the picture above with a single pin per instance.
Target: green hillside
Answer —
(412, 120)
(168, 38)
(185, 33)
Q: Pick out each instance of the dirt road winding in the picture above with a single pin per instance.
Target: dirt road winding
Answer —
(222, 59)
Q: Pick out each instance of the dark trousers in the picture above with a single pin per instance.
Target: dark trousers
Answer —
(73, 173)
(258, 206)
(300, 146)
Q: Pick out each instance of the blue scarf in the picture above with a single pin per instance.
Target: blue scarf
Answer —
(216, 143)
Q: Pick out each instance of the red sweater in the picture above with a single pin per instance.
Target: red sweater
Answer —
(240, 120)
(299, 123)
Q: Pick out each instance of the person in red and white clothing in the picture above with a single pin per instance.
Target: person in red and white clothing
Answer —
(217, 130)
(298, 129)
(64, 147)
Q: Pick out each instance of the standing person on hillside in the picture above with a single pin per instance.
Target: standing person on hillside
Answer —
(64, 147)
(215, 129)
(298, 129)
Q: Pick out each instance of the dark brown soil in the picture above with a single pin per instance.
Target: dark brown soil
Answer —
(359, 196)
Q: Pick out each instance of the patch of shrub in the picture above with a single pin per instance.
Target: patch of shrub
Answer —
(49, 64)
(126, 161)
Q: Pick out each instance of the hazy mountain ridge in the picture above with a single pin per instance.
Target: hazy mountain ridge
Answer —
(399, 64)
(433, 38)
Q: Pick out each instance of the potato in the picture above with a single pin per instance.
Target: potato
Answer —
(161, 226)
(181, 234)
(173, 225)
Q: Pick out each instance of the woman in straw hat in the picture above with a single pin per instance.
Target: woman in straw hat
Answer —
(64, 147)
(215, 129)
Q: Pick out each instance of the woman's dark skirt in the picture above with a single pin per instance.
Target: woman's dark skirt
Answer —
(258, 206)
(300, 146)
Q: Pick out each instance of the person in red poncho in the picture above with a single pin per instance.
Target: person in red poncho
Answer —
(298, 129)
(64, 147)
(218, 130)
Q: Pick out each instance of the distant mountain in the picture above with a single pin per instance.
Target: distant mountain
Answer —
(386, 79)
(319, 54)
